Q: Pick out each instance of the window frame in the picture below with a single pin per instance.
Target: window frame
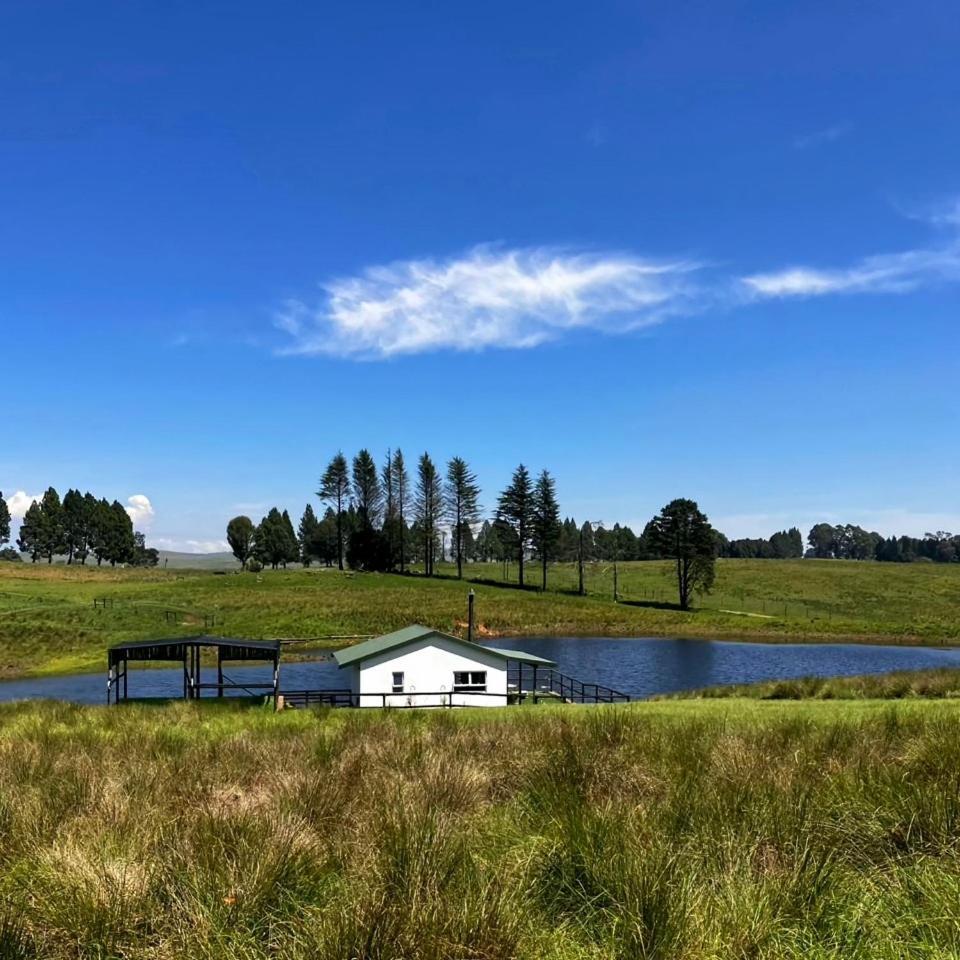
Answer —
(475, 681)
(396, 687)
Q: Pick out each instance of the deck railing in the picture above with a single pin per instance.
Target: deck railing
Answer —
(541, 683)
(548, 685)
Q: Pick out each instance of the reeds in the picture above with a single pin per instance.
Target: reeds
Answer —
(623, 832)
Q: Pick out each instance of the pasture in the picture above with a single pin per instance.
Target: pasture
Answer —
(48, 622)
(707, 829)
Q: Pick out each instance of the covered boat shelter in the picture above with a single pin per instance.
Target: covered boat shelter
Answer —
(187, 650)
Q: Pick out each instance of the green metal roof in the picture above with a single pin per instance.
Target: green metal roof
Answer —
(521, 656)
(415, 632)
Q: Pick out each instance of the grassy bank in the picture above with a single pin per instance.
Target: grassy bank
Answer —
(694, 830)
(935, 684)
(48, 622)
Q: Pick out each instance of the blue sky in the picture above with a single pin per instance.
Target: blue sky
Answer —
(664, 249)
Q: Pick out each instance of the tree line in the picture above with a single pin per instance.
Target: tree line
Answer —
(382, 519)
(78, 527)
(850, 542)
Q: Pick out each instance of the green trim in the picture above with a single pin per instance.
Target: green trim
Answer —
(414, 633)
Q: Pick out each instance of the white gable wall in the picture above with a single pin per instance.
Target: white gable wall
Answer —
(428, 666)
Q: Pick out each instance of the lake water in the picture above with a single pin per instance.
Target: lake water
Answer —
(639, 667)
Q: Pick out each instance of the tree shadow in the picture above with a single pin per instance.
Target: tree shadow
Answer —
(653, 605)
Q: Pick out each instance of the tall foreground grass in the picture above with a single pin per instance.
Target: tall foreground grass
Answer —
(652, 830)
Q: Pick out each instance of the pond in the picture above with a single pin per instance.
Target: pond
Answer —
(640, 667)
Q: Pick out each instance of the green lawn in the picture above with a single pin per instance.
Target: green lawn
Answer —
(48, 622)
(695, 830)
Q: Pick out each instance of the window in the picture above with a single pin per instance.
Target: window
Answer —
(470, 681)
(397, 681)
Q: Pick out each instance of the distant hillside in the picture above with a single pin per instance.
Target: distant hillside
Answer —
(173, 559)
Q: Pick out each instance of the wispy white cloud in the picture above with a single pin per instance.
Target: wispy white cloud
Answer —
(18, 503)
(486, 298)
(885, 273)
(825, 135)
(140, 510)
(944, 213)
(519, 298)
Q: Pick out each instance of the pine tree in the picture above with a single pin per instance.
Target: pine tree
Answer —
(4, 521)
(272, 539)
(428, 508)
(121, 544)
(31, 532)
(52, 540)
(401, 482)
(291, 548)
(366, 489)
(335, 488)
(389, 509)
(545, 526)
(683, 533)
(240, 536)
(514, 515)
(325, 545)
(463, 507)
(307, 535)
(74, 524)
(101, 520)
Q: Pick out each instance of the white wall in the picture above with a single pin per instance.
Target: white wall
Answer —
(428, 667)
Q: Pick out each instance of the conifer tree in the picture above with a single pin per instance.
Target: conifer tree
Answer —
(307, 536)
(52, 541)
(4, 521)
(120, 544)
(545, 526)
(335, 489)
(366, 489)
(401, 482)
(101, 519)
(389, 509)
(682, 532)
(428, 508)
(291, 549)
(515, 513)
(462, 507)
(31, 532)
(74, 524)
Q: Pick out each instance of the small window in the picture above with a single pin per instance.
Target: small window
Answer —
(397, 681)
(470, 681)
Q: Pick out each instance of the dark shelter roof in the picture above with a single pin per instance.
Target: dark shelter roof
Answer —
(175, 648)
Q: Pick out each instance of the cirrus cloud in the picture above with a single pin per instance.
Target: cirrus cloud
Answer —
(885, 273)
(486, 298)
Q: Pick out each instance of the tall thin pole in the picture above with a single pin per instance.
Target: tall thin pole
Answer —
(580, 561)
(470, 598)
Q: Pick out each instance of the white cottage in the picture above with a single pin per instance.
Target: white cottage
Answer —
(420, 667)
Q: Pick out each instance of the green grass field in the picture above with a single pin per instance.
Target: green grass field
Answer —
(698, 829)
(48, 622)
